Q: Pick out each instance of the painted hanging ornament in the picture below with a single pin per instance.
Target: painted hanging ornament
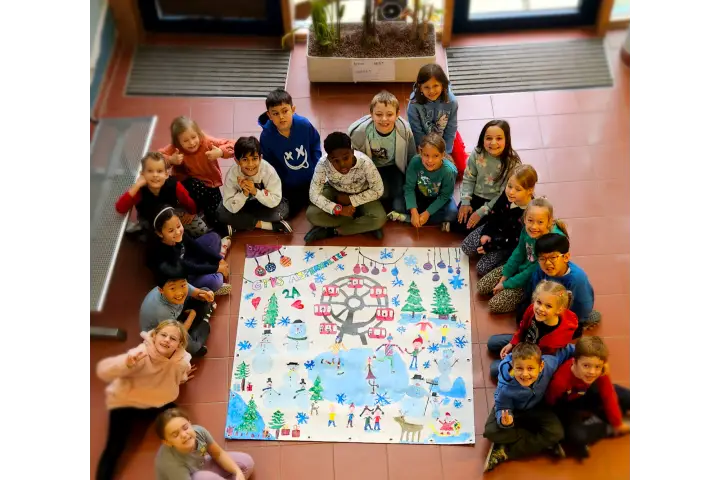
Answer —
(375, 270)
(285, 261)
(457, 261)
(364, 267)
(259, 271)
(428, 265)
(436, 275)
(441, 263)
(270, 267)
(357, 268)
(450, 269)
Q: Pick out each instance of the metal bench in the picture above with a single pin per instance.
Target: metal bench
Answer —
(117, 146)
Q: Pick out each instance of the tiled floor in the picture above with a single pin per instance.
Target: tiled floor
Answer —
(579, 143)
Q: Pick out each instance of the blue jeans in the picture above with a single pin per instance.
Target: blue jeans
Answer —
(413, 363)
(447, 213)
(494, 345)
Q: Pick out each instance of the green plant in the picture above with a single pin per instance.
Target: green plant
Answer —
(325, 16)
(421, 14)
(370, 35)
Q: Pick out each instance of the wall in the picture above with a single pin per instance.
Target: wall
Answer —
(102, 39)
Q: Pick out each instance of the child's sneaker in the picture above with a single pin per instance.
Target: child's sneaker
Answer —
(495, 456)
(445, 227)
(281, 226)
(225, 246)
(557, 451)
(202, 351)
(230, 231)
(225, 289)
(133, 227)
(378, 233)
(592, 321)
(319, 233)
(397, 217)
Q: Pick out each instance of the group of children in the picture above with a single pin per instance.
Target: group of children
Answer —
(384, 167)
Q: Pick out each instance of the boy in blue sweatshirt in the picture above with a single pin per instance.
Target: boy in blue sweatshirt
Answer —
(291, 145)
(521, 424)
(553, 254)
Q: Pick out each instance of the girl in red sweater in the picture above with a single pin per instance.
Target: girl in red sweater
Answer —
(547, 323)
(193, 156)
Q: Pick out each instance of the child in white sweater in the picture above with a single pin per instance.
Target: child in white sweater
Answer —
(344, 192)
(252, 192)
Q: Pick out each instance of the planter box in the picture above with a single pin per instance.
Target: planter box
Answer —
(340, 69)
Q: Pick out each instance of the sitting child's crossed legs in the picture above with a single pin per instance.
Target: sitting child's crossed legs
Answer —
(504, 301)
(533, 432)
(213, 471)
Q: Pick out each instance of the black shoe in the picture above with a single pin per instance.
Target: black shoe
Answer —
(319, 233)
(378, 233)
(202, 351)
(281, 226)
(495, 456)
(584, 452)
(557, 451)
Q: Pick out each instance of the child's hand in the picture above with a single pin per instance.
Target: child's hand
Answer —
(224, 268)
(141, 182)
(213, 153)
(483, 240)
(186, 218)
(251, 188)
(473, 220)
(623, 429)
(347, 211)
(505, 350)
(205, 295)
(424, 217)
(343, 199)
(506, 418)
(499, 287)
(415, 219)
(177, 158)
(464, 212)
(133, 359)
(190, 372)
(190, 314)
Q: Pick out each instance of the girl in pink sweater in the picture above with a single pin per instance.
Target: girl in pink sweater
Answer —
(193, 156)
(142, 383)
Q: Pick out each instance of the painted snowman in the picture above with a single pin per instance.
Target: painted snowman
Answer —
(263, 360)
(415, 397)
(445, 364)
(297, 340)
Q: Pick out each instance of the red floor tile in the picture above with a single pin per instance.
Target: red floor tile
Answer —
(578, 141)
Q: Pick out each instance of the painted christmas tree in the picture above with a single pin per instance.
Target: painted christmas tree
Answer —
(441, 302)
(316, 390)
(249, 417)
(241, 373)
(277, 422)
(414, 302)
(271, 312)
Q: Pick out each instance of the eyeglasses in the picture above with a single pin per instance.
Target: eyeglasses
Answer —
(551, 259)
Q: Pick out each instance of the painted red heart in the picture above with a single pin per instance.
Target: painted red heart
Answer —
(256, 302)
(298, 304)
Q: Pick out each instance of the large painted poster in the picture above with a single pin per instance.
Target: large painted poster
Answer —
(353, 344)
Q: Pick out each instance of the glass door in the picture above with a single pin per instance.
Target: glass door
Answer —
(478, 16)
(237, 17)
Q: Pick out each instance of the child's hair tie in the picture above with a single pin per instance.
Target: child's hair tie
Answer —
(158, 215)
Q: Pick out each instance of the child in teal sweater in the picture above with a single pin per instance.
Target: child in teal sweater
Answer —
(429, 185)
(507, 283)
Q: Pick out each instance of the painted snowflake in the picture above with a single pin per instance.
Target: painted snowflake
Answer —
(397, 282)
(340, 267)
(457, 282)
(457, 404)
(381, 399)
(433, 348)
(302, 418)
(248, 296)
(396, 301)
(251, 323)
(426, 364)
(386, 254)
(284, 321)
(310, 364)
(462, 325)
(461, 342)
(410, 260)
(319, 278)
(244, 345)
(417, 270)
(341, 398)
(401, 330)
(309, 256)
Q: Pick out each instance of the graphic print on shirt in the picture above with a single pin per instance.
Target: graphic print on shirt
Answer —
(299, 160)
(379, 153)
(427, 186)
(437, 125)
(530, 252)
(532, 334)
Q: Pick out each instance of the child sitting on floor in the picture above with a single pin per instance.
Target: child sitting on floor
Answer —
(590, 407)
(547, 323)
(193, 156)
(153, 189)
(202, 259)
(429, 186)
(507, 283)
(553, 254)
(520, 424)
(252, 194)
(189, 451)
(174, 298)
(344, 192)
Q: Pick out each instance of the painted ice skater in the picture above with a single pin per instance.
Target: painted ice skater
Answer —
(331, 416)
(335, 348)
(417, 348)
(351, 414)
(443, 332)
(424, 324)
(389, 352)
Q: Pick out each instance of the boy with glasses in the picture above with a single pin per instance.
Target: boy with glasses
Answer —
(553, 254)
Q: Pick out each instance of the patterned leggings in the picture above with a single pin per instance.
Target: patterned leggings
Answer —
(488, 261)
(207, 198)
(506, 300)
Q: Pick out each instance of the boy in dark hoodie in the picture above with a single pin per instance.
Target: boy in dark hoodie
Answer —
(291, 145)
(520, 424)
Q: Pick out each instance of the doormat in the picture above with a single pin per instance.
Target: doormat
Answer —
(353, 344)
(525, 67)
(179, 71)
